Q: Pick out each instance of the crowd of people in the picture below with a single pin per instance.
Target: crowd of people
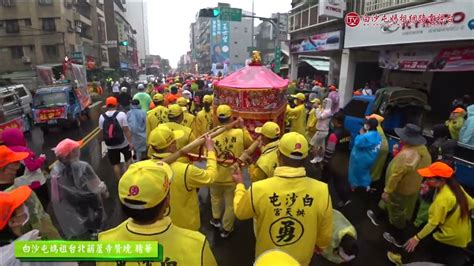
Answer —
(293, 213)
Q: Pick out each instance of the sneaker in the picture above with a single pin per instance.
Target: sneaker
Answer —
(371, 215)
(395, 258)
(316, 160)
(387, 236)
(215, 222)
(225, 234)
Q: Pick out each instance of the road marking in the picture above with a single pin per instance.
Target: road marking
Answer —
(85, 141)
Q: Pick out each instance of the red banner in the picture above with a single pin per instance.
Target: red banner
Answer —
(15, 123)
(43, 115)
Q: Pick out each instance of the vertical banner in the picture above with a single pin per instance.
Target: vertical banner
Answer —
(220, 39)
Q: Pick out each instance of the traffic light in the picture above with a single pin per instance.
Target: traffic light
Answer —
(209, 12)
(123, 43)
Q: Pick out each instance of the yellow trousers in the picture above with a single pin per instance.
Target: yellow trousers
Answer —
(223, 195)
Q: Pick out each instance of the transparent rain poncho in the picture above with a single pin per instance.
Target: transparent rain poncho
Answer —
(76, 199)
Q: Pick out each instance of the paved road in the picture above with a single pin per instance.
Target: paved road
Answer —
(238, 249)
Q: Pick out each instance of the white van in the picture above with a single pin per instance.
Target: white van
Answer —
(17, 100)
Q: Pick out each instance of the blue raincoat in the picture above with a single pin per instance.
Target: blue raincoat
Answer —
(136, 119)
(363, 156)
(466, 136)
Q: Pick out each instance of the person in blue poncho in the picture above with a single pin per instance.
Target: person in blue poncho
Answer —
(467, 131)
(364, 154)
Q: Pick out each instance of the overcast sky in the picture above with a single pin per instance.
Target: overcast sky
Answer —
(169, 20)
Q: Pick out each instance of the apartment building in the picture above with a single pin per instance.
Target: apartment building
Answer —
(125, 55)
(45, 31)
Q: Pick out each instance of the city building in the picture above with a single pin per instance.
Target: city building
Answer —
(124, 56)
(137, 16)
(434, 54)
(266, 36)
(45, 31)
(220, 45)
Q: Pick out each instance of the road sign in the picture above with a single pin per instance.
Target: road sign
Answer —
(277, 66)
(230, 14)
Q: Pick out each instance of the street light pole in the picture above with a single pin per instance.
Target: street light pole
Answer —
(276, 24)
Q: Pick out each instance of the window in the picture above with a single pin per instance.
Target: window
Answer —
(236, 56)
(21, 92)
(51, 50)
(17, 52)
(12, 26)
(45, 2)
(27, 22)
(49, 24)
(246, 30)
(8, 2)
(356, 108)
(235, 42)
(69, 24)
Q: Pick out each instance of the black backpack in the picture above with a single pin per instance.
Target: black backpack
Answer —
(112, 131)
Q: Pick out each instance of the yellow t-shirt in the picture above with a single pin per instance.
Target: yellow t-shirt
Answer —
(230, 144)
(452, 230)
(182, 246)
(266, 164)
(184, 203)
(203, 122)
(297, 117)
(188, 120)
(155, 117)
(293, 213)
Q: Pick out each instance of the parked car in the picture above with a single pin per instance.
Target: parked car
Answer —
(400, 106)
(17, 100)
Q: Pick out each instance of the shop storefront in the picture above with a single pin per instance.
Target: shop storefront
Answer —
(318, 55)
(428, 47)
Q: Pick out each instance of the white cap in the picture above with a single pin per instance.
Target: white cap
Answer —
(124, 89)
(141, 87)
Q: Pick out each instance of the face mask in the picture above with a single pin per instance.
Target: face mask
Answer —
(344, 256)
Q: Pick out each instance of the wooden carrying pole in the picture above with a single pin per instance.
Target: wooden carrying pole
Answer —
(199, 141)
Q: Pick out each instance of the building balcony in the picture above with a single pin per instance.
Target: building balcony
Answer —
(308, 17)
(378, 6)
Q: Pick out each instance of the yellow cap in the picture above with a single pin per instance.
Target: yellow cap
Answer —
(145, 183)
(182, 101)
(293, 145)
(224, 111)
(162, 136)
(300, 96)
(276, 257)
(270, 130)
(158, 97)
(207, 99)
(174, 110)
(315, 100)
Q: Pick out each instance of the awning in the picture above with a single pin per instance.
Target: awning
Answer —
(321, 65)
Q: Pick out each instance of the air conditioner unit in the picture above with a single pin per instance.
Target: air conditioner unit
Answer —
(26, 60)
(70, 29)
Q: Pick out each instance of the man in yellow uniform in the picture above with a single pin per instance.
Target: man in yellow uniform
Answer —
(297, 115)
(188, 118)
(204, 119)
(268, 160)
(175, 117)
(229, 145)
(292, 211)
(144, 194)
(184, 204)
(157, 115)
